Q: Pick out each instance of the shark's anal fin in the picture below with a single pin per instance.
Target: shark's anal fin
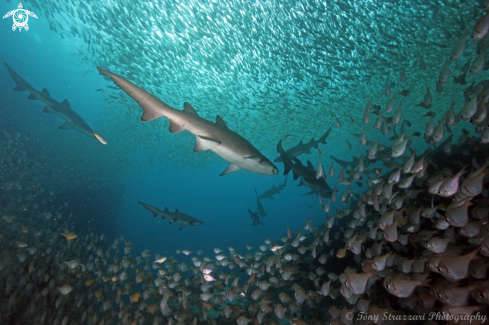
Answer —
(67, 126)
(175, 128)
(45, 92)
(182, 226)
(66, 103)
(231, 169)
(187, 108)
(221, 122)
(203, 143)
(47, 109)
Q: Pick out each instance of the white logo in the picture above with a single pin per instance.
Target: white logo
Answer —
(20, 17)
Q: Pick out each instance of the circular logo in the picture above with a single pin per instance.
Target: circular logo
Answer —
(348, 315)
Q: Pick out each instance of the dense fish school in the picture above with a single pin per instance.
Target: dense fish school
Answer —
(392, 95)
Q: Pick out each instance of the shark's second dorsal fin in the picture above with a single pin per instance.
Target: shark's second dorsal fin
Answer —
(45, 92)
(166, 209)
(221, 122)
(66, 103)
(187, 108)
(176, 210)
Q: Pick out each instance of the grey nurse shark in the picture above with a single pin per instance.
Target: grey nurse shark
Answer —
(63, 110)
(216, 137)
(302, 148)
(181, 218)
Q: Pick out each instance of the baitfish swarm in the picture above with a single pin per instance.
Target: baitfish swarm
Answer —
(415, 241)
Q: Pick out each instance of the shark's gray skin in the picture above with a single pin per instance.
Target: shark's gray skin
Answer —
(268, 194)
(302, 148)
(260, 208)
(181, 218)
(307, 173)
(255, 218)
(216, 137)
(63, 110)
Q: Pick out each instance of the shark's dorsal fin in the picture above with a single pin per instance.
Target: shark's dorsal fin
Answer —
(309, 164)
(66, 103)
(48, 109)
(182, 225)
(174, 127)
(166, 209)
(187, 108)
(300, 142)
(45, 92)
(67, 126)
(176, 210)
(221, 122)
(230, 169)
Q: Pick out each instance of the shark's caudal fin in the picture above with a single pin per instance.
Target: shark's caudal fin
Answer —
(21, 84)
(150, 105)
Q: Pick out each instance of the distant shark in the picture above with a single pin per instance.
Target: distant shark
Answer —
(307, 173)
(255, 218)
(302, 148)
(268, 194)
(260, 208)
(181, 218)
(63, 110)
(216, 137)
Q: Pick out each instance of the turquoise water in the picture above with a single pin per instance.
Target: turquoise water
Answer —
(268, 68)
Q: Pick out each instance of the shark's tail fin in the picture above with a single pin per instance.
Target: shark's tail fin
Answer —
(22, 85)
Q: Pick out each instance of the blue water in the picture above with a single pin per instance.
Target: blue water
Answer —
(46, 61)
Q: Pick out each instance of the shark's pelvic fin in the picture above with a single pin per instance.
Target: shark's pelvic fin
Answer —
(67, 126)
(19, 88)
(231, 169)
(187, 108)
(175, 128)
(182, 226)
(47, 109)
(31, 96)
(203, 143)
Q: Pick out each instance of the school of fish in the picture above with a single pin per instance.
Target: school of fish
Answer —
(407, 223)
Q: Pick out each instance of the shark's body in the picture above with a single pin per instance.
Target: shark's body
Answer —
(307, 173)
(268, 194)
(255, 218)
(216, 137)
(181, 218)
(260, 208)
(353, 164)
(302, 148)
(63, 110)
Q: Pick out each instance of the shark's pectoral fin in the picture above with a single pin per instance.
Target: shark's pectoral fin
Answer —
(221, 122)
(231, 169)
(175, 127)
(45, 92)
(183, 225)
(67, 126)
(203, 143)
(31, 96)
(66, 103)
(47, 109)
